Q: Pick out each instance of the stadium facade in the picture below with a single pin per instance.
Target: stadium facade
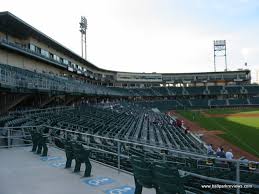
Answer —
(25, 47)
(37, 70)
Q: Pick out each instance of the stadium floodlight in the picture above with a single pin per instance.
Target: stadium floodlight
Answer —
(83, 28)
(220, 50)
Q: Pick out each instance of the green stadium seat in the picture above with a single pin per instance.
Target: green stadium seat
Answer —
(168, 180)
(143, 175)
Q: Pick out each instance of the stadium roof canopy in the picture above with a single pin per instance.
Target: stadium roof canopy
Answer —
(11, 24)
(14, 26)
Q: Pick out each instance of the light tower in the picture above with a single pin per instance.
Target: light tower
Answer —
(83, 28)
(220, 50)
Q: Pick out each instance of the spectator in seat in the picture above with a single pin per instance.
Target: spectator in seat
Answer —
(229, 154)
(218, 151)
(186, 131)
(179, 123)
(210, 150)
(221, 153)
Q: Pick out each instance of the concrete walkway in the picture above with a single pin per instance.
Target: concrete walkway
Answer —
(23, 172)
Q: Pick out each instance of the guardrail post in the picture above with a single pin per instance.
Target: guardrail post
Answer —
(5, 76)
(238, 175)
(88, 140)
(119, 160)
(8, 138)
(65, 135)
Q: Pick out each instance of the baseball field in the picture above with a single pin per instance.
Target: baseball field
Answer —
(238, 126)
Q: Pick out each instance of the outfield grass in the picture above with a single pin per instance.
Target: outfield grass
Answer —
(242, 132)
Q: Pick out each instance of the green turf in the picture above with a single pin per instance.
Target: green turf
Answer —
(243, 132)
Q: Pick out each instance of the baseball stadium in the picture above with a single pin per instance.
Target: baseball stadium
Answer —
(70, 126)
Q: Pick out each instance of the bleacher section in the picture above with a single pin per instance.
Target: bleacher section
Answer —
(13, 77)
(215, 102)
(215, 90)
(254, 100)
(233, 89)
(185, 103)
(195, 90)
(178, 175)
(238, 102)
(127, 122)
(199, 103)
(167, 105)
(175, 90)
(160, 104)
(21, 80)
(163, 91)
(134, 124)
(252, 89)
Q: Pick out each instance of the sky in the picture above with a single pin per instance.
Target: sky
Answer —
(150, 35)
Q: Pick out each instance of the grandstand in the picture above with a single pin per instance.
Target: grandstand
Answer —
(56, 101)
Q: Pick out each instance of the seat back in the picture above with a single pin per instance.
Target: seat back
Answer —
(143, 172)
(78, 151)
(86, 153)
(68, 148)
(168, 179)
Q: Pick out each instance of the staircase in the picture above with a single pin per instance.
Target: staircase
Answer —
(224, 91)
(69, 100)
(243, 90)
(47, 101)
(155, 92)
(227, 102)
(168, 91)
(180, 104)
(11, 103)
(185, 92)
(209, 102)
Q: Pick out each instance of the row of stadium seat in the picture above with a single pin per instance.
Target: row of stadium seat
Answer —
(11, 76)
(173, 179)
(133, 123)
(166, 105)
(192, 91)
(130, 123)
(15, 77)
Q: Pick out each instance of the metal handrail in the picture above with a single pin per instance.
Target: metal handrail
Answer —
(119, 154)
(172, 150)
